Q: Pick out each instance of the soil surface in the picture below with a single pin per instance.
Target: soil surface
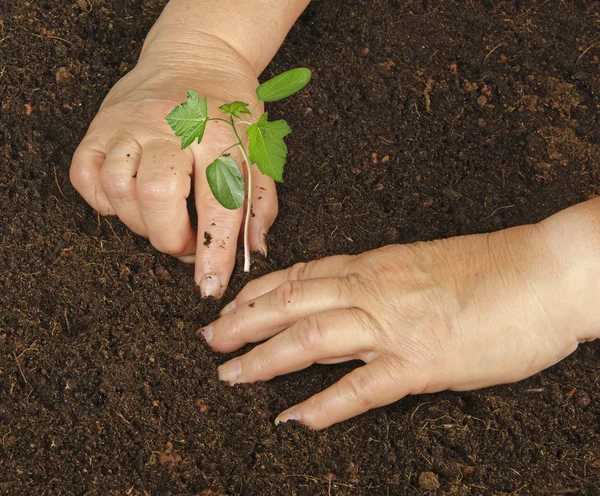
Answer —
(425, 119)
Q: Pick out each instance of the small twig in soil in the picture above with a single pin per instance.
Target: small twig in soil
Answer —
(532, 7)
(27, 349)
(124, 419)
(193, 310)
(492, 51)
(517, 491)
(20, 369)
(316, 479)
(419, 406)
(67, 322)
(586, 51)
(426, 92)
(3, 438)
(88, 4)
(97, 211)
(387, 141)
(496, 211)
(432, 12)
(58, 185)
(417, 109)
(51, 36)
(113, 231)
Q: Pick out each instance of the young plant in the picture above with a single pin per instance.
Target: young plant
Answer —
(266, 147)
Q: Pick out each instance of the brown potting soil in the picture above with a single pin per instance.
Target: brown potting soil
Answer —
(424, 119)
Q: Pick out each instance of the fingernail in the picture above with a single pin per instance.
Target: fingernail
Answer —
(207, 333)
(228, 308)
(230, 371)
(189, 259)
(210, 286)
(282, 418)
(263, 243)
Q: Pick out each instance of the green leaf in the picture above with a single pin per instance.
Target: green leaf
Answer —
(226, 182)
(189, 119)
(235, 109)
(284, 85)
(266, 146)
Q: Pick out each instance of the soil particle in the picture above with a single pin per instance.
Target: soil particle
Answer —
(63, 76)
(316, 244)
(207, 238)
(429, 481)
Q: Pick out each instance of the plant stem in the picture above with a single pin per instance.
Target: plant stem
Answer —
(248, 199)
(219, 119)
(227, 149)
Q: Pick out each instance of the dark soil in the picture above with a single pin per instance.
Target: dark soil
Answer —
(425, 119)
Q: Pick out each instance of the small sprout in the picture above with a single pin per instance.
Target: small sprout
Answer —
(235, 109)
(266, 147)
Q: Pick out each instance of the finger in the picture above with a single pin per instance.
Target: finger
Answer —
(377, 384)
(317, 337)
(264, 210)
(118, 178)
(267, 315)
(218, 230)
(326, 267)
(163, 185)
(85, 175)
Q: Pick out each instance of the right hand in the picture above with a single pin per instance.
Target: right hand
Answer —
(130, 163)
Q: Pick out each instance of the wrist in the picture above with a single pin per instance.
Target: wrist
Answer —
(572, 238)
(201, 61)
(253, 29)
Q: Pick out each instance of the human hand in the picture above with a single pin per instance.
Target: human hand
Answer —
(131, 165)
(459, 314)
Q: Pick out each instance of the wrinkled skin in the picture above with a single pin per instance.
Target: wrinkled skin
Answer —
(457, 314)
(130, 163)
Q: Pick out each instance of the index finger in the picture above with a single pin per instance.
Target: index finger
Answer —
(336, 266)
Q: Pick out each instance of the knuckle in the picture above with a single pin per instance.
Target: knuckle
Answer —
(246, 294)
(359, 389)
(368, 326)
(76, 175)
(231, 331)
(347, 289)
(257, 366)
(298, 271)
(79, 173)
(156, 193)
(288, 294)
(116, 186)
(310, 333)
(124, 141)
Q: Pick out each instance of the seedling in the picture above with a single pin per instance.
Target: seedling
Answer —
(266, 147)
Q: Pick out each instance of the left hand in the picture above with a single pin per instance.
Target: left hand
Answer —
(461, 313)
